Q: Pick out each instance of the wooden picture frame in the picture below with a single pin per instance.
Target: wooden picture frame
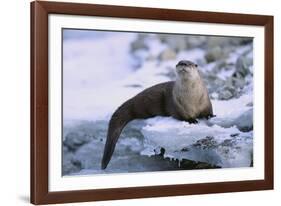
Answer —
(40, 193)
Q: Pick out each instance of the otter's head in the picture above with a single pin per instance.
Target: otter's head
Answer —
(187, 70)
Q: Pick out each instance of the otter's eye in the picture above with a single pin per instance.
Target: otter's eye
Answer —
(196, 65)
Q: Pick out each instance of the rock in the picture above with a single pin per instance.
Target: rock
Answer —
(220, 65)
(213, 82)
(167, 54)
(175, 164)
(69, 164)
(227, 42)
(228, 142)
(185, 149)
(195, 41)
(65, 149)
(225, 95)
(153, 163)
(250, 104)
(160, 151)
(151, 57)
(234, 135)
(229, 89)
(214, 54)
(206, 143)
(73, 140)
(245, 41)
(242, 66)
(214, 41)
(189, 164)
(76, 163)
(238, 82)
(204, 165)
(139, 43)
(223, 68)
(201, 62)
(176, 43)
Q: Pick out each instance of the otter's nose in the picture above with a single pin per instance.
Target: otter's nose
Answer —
(186, 63)
(182, 63)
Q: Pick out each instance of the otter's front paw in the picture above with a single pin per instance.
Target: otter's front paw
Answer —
(210, 116)
(192, 121)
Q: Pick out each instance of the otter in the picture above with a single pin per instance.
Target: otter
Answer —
(185, 99)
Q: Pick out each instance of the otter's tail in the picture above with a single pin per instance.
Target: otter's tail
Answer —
(117, 122)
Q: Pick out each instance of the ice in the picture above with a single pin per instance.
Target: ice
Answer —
(233, 117)
(233, 112)
(94, 87)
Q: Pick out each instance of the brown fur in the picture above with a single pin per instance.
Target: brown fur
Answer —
(184, 99)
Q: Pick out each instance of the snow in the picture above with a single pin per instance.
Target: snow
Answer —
(86, 79)
(174, 135)
(95, 87)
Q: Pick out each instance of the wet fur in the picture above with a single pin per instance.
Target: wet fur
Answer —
(183, 100)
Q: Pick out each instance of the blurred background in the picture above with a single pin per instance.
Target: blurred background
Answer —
(102, 69)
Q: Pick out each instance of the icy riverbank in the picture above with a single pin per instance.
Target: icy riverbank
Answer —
(98, 78)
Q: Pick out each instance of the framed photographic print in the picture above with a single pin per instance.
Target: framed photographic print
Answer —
(131, 102)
